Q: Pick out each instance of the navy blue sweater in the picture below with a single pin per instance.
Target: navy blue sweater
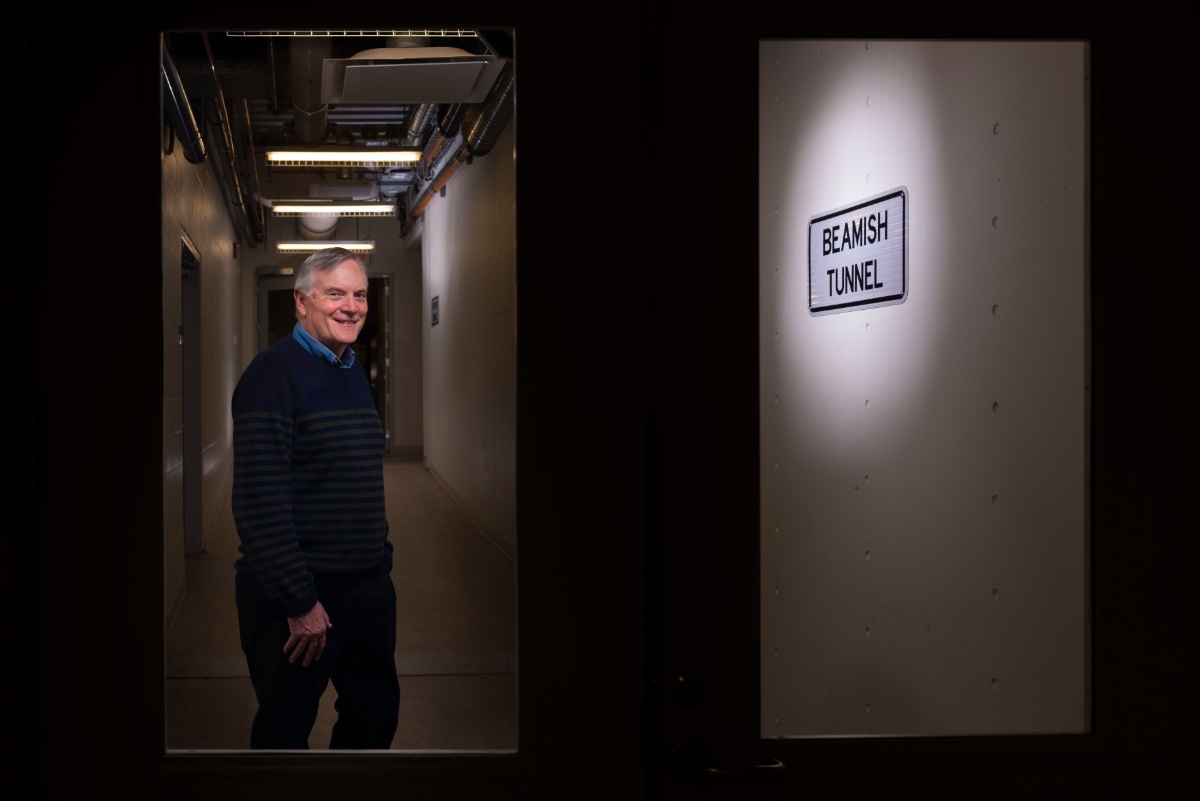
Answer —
(307, 474)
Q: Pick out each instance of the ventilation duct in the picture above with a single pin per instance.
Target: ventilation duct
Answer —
(419, 125)
(447, 129)
(409, 75)
(451, 120)
(484, 126)
(179, 112)
(310, 115)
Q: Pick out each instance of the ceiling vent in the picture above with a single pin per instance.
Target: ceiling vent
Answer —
(409, 75)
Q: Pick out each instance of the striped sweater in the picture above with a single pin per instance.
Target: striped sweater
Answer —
(307, 473)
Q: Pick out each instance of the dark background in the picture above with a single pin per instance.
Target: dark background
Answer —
(636, 257)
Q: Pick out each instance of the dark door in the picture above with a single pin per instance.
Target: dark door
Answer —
(811, 570)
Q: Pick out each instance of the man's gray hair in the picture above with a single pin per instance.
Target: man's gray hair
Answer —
(320, 262)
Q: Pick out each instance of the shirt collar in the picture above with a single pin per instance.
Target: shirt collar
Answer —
(314, 347)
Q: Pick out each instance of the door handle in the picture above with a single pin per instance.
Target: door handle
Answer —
(691, 760)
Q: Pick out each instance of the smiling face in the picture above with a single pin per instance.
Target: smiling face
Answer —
(336, 308)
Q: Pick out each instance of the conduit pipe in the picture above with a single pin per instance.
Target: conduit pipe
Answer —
(255, 232)
(179, 111)
(447, 128)
(432, 189)
(482, 125)
(418, 124)
(259, 220)
(310, 117)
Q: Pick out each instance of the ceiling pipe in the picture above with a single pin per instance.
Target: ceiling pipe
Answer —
(448, 126)
(483, 128)
(274, 78)
(482, 124)
(310, 117)
(451, 120)
(433, 188)
(179, 112)
(447, 129)
(422, 114)
(259, 221)
(415, 135)
(254, 232)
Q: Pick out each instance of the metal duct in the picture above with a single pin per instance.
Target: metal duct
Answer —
(482, 126)
(238, 196)
(447, 129)
(451, 120)
(310, 116)
(483, 129)
(179, 112)
(418, 121)
(418, 124)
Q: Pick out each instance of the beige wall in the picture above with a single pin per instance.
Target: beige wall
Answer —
(924, 537)
(470, 264)
(193, 207)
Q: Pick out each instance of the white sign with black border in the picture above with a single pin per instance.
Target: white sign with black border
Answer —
(858, 255)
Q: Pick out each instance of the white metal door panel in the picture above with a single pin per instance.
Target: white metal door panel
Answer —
(923, 464)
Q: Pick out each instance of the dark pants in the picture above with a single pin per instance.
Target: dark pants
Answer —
(359, 658)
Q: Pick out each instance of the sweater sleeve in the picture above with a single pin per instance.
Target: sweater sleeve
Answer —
(263, 431)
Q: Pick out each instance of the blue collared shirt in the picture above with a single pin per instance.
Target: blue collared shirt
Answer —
(314, 347)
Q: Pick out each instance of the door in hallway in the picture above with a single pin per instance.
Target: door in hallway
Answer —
(874, 527)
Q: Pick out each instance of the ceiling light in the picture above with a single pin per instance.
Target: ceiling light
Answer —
(355, 246)
(343, 157)
(301, 209)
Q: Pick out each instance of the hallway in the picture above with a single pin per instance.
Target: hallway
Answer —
(456, 633)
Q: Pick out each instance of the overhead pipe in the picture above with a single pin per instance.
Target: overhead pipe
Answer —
(274, 80)
(447, 129)
(253, 231)
(483, 128)
(451, 120)
(432, 189)
(179, 111)
(415, 132)
(259, 221)
(310, 117)
(418, 125)
(482, 124)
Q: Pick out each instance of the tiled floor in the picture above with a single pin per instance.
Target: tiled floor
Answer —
(456, 633)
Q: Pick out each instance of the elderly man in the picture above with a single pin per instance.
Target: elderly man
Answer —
(314, 596)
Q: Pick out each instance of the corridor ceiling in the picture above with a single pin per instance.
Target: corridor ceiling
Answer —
(443, 91)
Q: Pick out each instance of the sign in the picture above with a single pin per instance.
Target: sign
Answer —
(858, 255)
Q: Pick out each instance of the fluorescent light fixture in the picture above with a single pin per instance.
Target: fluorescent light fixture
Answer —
(355, 246)
(299, 209)
(343, 157)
